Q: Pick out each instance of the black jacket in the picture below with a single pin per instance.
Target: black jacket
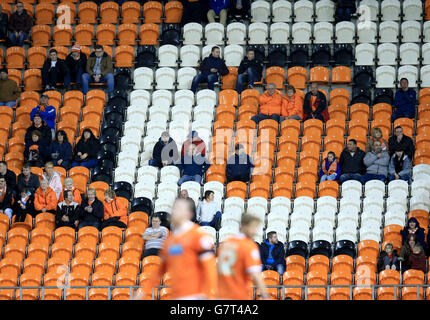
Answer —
(41, 153)
(74, 65)
(246, 5)
(349, 164)
(406, 143)
(31, 185)
(44, 130)
(346, 4)
(3, 24)
(10, 178)
(29, 206)
(321, 100)
(60, 66)
(168, 151)
(8, 198)
(20, 22)
(211, 62)
(254, 64)
(419, 234)
(95, 215)
(91, 146)
(384, 260)
(278, 254)
(72, 211)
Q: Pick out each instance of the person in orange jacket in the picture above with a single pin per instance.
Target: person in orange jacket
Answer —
(68, 185)
(115, 211)
(45, 199)
(270, 105)
(292, 105)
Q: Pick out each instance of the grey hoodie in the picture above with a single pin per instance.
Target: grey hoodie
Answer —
(406, 166)
(377, 165)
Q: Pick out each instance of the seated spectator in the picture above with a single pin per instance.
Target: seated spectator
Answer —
(85, 151)
(165, 152)
(376, 135)
(250, 70)
(211, 68)
(27, 180)
(404, 101)
(6, 198)
(45, 199)
(115, 211)
(270, 105)
(46, 112)
(154, 237)
(55, 71)
(53, 178)
(344, 10)
(61, 150)
(41, 126)
(376, 162)
(3, 23)
(193, 166)
(209, 211)
(23, 205)
(406, 251)
(193, 139)
(239, 9)
(9, 90)
(315, 104)
(99, 69)
(388, 259)
(68, 186)
(417, 259)
(218, 8)
(330, 169)
(413, 227)
(9, 176)
(68, 212)
(20, 24)
(184, 194)
(35, 152)
(292, 105)
(92, 210)
(76, 63)
(351, 162)
(192, 11)
(400, 166)
(239, 166)
(272, 253)
(399, 139)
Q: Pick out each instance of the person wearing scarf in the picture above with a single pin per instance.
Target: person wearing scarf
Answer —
(6, 199)
(68, 185)
(67, 212)
(315, 104)
(23, 205)
(400, 166)
(376, 136)
(330, 169)
(115, 211)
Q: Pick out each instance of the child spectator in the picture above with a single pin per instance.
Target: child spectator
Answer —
(417, 259)
(388, 259)
(330, 169)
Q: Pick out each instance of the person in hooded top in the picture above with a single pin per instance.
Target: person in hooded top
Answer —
(400, 166)
(42, 127)
(92, 210)
(115, 211)
(45, 199)
(76, 61)
(239, 165)
(47, 112)
(413, 227)
(35, 152)
(61, 150)
(165, 152)
(85, 151)
(272, 253)
(330, 168)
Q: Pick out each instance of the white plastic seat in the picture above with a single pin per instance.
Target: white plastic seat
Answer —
(162, 98)
(388, 31)
(278, 215)
(169, 187)
(426, 31)
(397, 203)
(163, 204)
(325, 10)
(425, 53)
(419, 170)
(124, 174)
(323, 32)
(365, 54)
(257, 202)
(279, 33)
(385, 77)
(233, 55)
(370, 232)
(419, 185)
(234, 202)
(323, 231)
(181, 112)
(368, 9)
(282, 11)
(373, 186)
(327, 203)
(206, 97)
(257, 211)
(165, 77)
(387, 54)
(257, 33)
(411, 31)
(214, 33)
(299, 231)
(396, 186)
(409, 53)
(236, 33)
(216, 187)
(226, 223)
(184, 98)
(374, 200)
(126, 157)
(412, 9)
(282, 203)
(140, 98)
(148, 146)
(372, 217)
(390, 10)
(366, 32)
(347, 231)
(143, 78)
(157, 111)
(351, 193)
(147, 172)
(193, 33)
(210, 231)
(166, 173)
(420, 202)
(409, 72)
(129, 140)
(352, 184)
(168, 55)
(137, 112)
(425, 76)
(347, 217)
(302, 214)
(185, 77)
(301, 32)
(324, 216)
(231, 214)
(304, 202)
(260, 11)
(145, 189)
(345, 32)
(190, 56)
(303, 10)
(203, 113)
(394, 217)
(349, 202)
(133, 129)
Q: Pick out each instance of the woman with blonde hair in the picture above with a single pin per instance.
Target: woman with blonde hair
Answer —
(376, 136)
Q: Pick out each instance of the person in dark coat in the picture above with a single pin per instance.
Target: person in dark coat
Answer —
(315, 104)
(193, 166)
(344, 10)
(404, 101)
(76, 61)
(23, 205)
(351, 162)
(250, 70)
(27, 180)
(92, 211)
(272, 253)
(239, 165)
(41, 126)
(413, 227)
(388, 259)
(61, 150)
(165, 152)
(211, 68)
(399, 139)
(20, 24)
(417, 259)
(239, 9)
(55, 71)
(3, 23)
(6, 198)
(85, 151)
(36, 152)
(9, 175)
(193, 11)
(406, 251)
(400, 166)
(67, 212)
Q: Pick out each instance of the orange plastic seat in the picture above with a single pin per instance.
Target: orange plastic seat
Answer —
(250, 97)
(229, 81)
(339, 294)
(129, 265)
(32, 80)
(337, 111)
(105, 34)
(293, 278)
(413, 276)
(62, 36)
(84, 33)
(45, 220)
(148, 34)
(297, 77)
(381, 111)
(87, 12)
(88, 234)
(127, 34)
(152, 12)
(44, 13)
(124, 56)
(305, 189)
(132, 249)
(319, 263)
(14, 159)
(313, 126)
(7, 280)
(259, 189)
(319, 74)
(246, 112)
(64, 234)
(105, 265)
(411, 293)
(109, 250)
(236, 189)
(360, 293)
(173, 12)
(339, 96)
(41, 235)
(150, 264)
(328, 188)
(216, 173)
(41, 35)
(15, 57)
(342, 263)
(341, 74)
(95, 97)
(109, 12)
(228, 97)
(275, 75)
(130, 12)
(112, 234)
(36, 57)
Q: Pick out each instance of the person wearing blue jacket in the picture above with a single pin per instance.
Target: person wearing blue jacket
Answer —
(211, 68)
(193, 166)
(218, 8)
(330, 168)
(239, 166)
(272, 253)
(61, 150)
(46, 112)
(404, 101)
(165, 152)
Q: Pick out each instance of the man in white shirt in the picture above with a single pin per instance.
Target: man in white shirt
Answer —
(154, 237)
(209, 211)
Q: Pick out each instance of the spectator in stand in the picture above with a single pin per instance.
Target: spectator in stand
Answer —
(99, 69)
(35, 152)
(351, 162)
(193, 166)
(20, 24)
(41, 126)
(239, 9)
(315, 104)
(77, 64)
(272, 253)
(115, 211)
(388, 259)
(404, 101)
(23, 205)
(193, 139)
(413, 227)
(400, 166)
(27, 180)
(292, 105)
(46, 112)
(209, 211)
(376, 162)
(92, 210)
(344, 10)
(3, 23)
(53, 178)
(68, 212)
(61, 150)
(192, 12)
(68, 186)
(250, 70)
(406, 251)
(45, 199)
(55, 71)
(270, 105)
(218, 8)
(184, 194)
(376, 136)
(165, 152)
(330, 169)
(85, 151)
(6, 198)
(399, 139)
(9, 90)
(239, 165)
(9, 176)
(211, 68)
(154, 237)
(417, 259)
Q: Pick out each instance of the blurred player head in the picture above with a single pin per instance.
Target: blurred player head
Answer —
(182, 212)
(249, 225)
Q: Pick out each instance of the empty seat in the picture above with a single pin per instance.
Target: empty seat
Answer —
(366, 32)
(385, 77)
(387, 54)
(214, 34)
(409, 53)
(281, 10)
(301, 32)
(193, 33)
(389, 31)
(411, 31)
(236, 33)
(279, 32)
(260, 11)
(365, 54)
(323, 32)
(257, 33)
(345, 32)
